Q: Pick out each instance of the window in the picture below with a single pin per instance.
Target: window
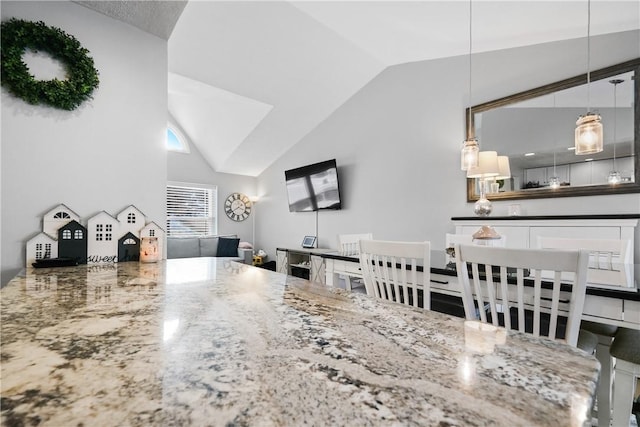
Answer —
(131, 218)
(190, 210)
(152, 233)
(47, 250)
(38, 250)
(66, 234)
(77, 235)
(99, 229)
(129, 241)
(61, 215)
(176, 141)
(108, 229)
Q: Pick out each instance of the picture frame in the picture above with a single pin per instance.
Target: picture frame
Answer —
(309, 242)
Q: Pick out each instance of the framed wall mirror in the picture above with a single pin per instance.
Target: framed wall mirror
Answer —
(535, 129)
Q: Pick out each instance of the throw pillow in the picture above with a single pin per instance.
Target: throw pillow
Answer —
(245, 245)
(228, 247)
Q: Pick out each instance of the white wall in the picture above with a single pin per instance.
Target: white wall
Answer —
(193, 168)
(397, 145)
(106, 154)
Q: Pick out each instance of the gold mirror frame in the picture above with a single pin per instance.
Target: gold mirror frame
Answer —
(587, 190)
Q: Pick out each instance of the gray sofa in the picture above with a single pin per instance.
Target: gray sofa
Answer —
(189, 247)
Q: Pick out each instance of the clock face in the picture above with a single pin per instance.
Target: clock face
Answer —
(237, 207)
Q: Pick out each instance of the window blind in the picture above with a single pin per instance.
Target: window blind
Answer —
(190, 211)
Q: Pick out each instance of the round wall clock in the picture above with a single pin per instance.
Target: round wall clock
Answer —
(237, 207)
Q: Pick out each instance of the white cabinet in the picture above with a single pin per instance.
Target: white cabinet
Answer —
(523, 232)
(304, 263)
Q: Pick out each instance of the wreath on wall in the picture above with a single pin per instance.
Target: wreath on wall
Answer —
(82, 77)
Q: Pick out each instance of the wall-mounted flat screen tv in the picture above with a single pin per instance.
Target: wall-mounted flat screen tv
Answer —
(313, 187)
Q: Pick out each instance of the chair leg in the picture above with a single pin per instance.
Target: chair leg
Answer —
(624, 389)
(347, 281)
(604, 385)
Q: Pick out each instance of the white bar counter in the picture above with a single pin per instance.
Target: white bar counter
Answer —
(209, 342)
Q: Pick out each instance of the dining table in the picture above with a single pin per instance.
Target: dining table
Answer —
(212, 342)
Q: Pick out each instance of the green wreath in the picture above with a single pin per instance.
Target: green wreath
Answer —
(82, 77)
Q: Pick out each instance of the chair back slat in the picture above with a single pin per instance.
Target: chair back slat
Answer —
(520, 289)
(555, 302)
(537, 285)
(520, 284)
(390, 271)
(491, 295)
(505, 291)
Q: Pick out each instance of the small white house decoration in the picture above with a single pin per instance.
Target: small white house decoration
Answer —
(131, 220)
(153, 230)
(57, 217)
(102, 243)
(41, 246)
(105, 240)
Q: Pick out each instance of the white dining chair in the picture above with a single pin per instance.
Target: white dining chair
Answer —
(391, 271)
(626, 350)
(348, 244)
(451, 239)
(604, 254)
(607, 259)
(536, 309)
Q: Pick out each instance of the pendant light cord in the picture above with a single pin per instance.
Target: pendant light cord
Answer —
(588, 56)
(615, 119)
(554, 142)
(470, 46)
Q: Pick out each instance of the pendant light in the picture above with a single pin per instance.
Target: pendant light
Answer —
(589, 126)
(614, 175)
(470, 148)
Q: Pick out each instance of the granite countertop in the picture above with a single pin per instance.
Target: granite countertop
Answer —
(208, 342)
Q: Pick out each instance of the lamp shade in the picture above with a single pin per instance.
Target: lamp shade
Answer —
(504, 171)
(589, 134)
(487, 166)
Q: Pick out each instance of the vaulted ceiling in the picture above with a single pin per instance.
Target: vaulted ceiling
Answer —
(248, 80)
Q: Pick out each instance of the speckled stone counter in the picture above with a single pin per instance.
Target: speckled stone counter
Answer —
(207, 342)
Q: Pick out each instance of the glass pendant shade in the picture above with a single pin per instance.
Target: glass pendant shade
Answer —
(614, 177)
(554, 182)
(589, 134)
(469, 154)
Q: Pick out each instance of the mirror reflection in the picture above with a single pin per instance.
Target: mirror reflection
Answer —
(535, 129)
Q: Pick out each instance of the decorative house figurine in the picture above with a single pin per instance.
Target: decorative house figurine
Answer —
(72, 242)
(41, 246)
(128, 248)
(131, 220)
(104, 231)
(149, 249)
(154, 230)
(56, 218)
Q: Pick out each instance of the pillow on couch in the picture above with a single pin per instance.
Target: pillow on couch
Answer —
(183, 247)
(228, 247)
(209, 246)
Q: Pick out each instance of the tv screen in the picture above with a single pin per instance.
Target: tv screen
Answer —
(313, 187)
